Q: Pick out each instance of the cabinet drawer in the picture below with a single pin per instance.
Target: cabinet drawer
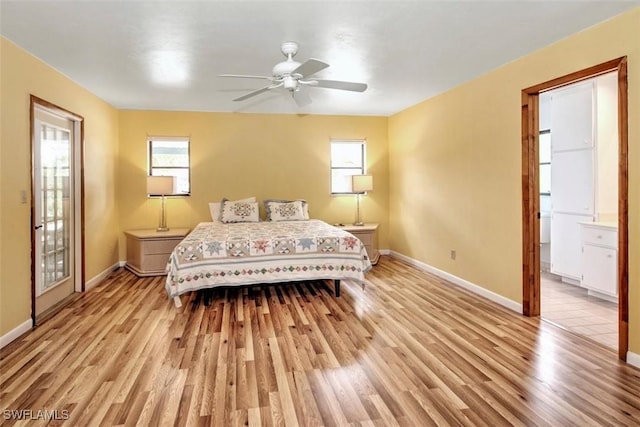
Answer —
(155, 263)
(600, 236)
(151, 247)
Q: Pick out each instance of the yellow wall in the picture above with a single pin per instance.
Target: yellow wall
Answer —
(23, 75)
(243, 155)
(462, 150)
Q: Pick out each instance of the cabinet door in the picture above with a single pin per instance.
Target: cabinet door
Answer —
(566, 244)
(572, 182)
(572, 117)
(599, 269)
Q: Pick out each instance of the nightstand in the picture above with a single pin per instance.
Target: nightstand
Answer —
(148, 250)
(368, 235)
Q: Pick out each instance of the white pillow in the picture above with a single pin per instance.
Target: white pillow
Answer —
(214, 208)
(286, 210)
(238, 211)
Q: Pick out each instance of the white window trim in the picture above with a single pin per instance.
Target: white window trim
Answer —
(362, 142)
(187, 139)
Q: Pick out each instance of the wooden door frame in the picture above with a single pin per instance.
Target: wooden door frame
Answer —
(39, 102)
(531, 196)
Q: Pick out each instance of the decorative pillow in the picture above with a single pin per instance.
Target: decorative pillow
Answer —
(286, 210)
(238, 211)
(214, 208)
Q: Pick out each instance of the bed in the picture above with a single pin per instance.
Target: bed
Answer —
(219, 254)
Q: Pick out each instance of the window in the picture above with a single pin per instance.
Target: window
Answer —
(169, 156)
(347, 158)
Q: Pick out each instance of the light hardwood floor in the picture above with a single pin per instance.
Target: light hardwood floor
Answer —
(408, 349)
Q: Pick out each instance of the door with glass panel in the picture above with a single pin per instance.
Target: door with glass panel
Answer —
(54, 208)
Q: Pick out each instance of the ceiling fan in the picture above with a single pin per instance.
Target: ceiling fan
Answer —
(292, 75)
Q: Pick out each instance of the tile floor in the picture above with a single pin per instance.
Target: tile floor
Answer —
(570, 307)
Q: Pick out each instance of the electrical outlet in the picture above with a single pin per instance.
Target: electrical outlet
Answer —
(23, 197)
(453, 254)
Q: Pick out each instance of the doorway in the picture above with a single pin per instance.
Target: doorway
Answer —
(57, 244)
(578, 152)
(531, 191)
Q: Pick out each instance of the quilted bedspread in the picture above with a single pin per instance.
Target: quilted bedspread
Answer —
(219, 254)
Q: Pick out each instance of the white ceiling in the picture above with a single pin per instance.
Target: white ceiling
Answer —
(166, 55)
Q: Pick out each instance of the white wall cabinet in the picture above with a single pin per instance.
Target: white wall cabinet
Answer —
(572, 117)
(572, 182)
(600, 259)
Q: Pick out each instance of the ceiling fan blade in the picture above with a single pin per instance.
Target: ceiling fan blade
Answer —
(337, 84)
(310, 66)
(301, 97)
(242, 76)
(257, 92)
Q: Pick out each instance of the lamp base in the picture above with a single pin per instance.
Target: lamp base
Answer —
(359, 224)
(162, 226)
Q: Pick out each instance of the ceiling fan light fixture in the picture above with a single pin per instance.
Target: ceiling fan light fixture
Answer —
(290, 83)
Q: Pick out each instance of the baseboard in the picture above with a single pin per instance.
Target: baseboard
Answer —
(633, 359)
(479, 290)
(384, 251)
(602, 296)
(15, 333)
(570, 281)
(26, 325)
(101, 276)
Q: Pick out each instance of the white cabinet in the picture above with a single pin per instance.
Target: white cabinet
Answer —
(572, 182)
(572, 175)
(600, 259)
(572, 117)
(583, 129)
(566, 244)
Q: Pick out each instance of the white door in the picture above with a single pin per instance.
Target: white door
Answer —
(54, 208)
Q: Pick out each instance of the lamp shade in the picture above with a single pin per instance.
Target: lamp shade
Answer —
(161, 185)
(361, 183)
